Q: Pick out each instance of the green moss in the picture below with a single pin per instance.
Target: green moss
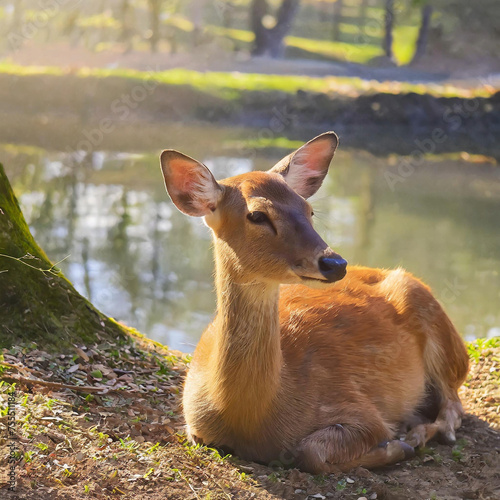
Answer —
(38, 303)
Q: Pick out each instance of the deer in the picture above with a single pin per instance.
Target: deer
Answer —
(309, 363)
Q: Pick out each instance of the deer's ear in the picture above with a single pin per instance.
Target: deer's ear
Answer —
(189, 183)
(305, 169)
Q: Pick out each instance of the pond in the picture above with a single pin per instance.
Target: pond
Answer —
(107, 218)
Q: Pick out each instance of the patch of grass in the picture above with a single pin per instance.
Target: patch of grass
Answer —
(232, 85)
(456, 452)
(152, 449)
(341, 485)
(476, 347)
(129, 444)
(320, 479)
(42, 446)
(405, 39)
(264, 143)
(273, 477)
(340, 51)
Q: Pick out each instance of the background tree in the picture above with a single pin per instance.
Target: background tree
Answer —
(337, 18)
(270, 40)
(154, 20)
(125, 14)
(389, 25)
(423, 33)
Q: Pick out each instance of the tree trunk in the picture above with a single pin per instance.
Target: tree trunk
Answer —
(126, 17)
(154, 22)
(337, 17)
(270, 41)
(197, 8)
(389, 24)
(363, 14)
(37, 303)
(423, 34)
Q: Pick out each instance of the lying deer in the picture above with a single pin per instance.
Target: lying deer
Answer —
(329, 367)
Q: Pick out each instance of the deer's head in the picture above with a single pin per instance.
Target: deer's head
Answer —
(262, 221)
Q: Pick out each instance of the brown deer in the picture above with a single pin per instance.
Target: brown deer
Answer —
(324, 371)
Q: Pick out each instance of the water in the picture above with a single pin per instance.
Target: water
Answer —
(139, 260)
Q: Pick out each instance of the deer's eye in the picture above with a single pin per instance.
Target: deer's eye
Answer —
(258, 217)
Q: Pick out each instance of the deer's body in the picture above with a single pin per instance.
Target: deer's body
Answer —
(320, 378)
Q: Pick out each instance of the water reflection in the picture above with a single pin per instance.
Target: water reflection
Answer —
(141, 261)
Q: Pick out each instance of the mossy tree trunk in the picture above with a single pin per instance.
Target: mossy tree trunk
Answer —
(37, 303)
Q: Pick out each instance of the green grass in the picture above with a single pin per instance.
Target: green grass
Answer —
(341, 51)
(330, 49)
(230, 85)
(405, 38)
(476, 347)
(264, 143)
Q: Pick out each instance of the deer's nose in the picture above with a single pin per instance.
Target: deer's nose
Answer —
(332, 269)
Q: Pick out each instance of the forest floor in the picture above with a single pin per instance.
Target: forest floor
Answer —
(104, 421)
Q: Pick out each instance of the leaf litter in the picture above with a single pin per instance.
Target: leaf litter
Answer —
(105, 421)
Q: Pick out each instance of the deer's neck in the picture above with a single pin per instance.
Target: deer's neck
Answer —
(247, 360)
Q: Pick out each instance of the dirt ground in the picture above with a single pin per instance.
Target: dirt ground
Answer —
(104, 422)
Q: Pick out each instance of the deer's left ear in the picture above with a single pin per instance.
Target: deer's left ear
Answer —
(305, 169)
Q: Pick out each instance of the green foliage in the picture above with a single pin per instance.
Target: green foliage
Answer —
(42, 446)
(476, 347)
(129, 444)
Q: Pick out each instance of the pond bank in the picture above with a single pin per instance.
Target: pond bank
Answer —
(409, 122)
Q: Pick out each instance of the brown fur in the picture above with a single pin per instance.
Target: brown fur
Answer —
(319, 378)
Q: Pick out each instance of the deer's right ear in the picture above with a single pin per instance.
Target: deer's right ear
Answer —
(189, 183)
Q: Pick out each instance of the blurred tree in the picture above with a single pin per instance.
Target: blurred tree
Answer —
(126, 19)
(423, 33)
(470, 29)
(197, 8)
(363, 13)
(227, 14)
(389, 25)
(269, 30)
(17, 16)
(337, 17)
(154, 22)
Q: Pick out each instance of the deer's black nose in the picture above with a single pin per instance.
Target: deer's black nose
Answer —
(332, 269)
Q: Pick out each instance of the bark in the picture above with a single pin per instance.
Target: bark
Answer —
(423, 34)
(389, 24)
(270, 41)
(37, 303)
